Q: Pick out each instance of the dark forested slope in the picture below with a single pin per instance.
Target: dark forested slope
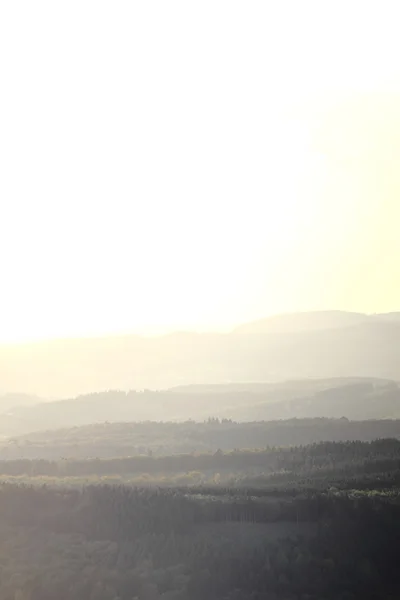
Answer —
(106, 542)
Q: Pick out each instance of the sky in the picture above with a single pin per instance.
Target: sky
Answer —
(196, 165)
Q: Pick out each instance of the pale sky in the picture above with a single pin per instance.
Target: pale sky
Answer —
(196, 164)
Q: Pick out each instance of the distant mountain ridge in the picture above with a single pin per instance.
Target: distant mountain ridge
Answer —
(313, 321)
(302, 345)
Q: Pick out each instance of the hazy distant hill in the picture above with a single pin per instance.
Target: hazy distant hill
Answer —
(314, 321)
(328, 344)
(307, 321)
(353, 398)
(392, 316)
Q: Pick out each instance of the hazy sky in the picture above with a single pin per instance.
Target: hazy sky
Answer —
(196, 163)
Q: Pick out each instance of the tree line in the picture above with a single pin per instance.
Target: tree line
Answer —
(111, 440)
(349, 458)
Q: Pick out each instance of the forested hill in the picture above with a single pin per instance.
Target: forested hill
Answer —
(111, 440)
(353, 398)
(307, 345)
(108, 542)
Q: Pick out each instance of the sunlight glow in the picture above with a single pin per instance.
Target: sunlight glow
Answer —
(175, 165)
